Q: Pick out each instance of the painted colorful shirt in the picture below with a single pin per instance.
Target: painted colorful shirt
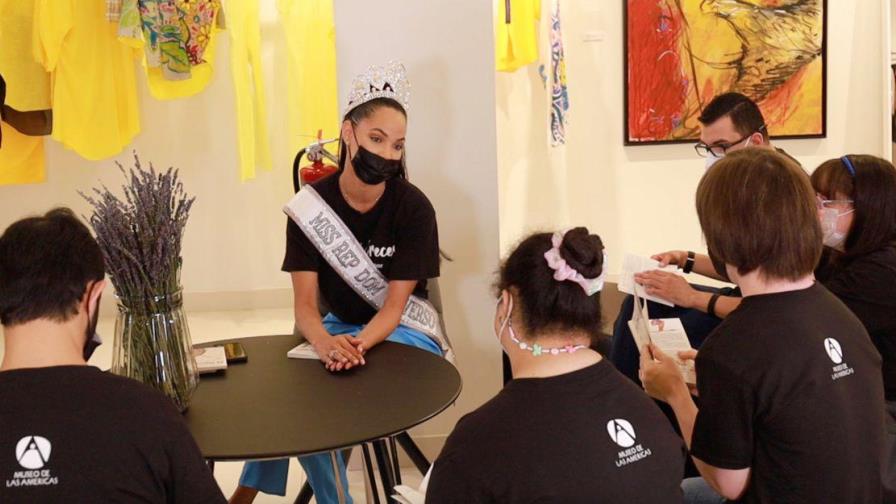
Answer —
(559, 93)
(175, 33)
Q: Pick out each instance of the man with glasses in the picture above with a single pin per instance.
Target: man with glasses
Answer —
(731, 122)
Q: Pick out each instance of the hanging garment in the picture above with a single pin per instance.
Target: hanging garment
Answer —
(178, 38)
(28, 82)
(245, 62)
(311, 39)
(516, 33)
(559, 94)
(113, 10)
(94, 97)
(28, 89)
(21, 157)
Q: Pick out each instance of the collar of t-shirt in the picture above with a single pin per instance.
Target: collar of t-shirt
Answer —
(45, 373)
(566, 381)
(778, 297)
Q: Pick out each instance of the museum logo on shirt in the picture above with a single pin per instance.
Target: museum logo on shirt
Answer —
(33, 455)
(835, 353)
(623, 434)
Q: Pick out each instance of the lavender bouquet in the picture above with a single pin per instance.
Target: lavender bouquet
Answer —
(140, 236)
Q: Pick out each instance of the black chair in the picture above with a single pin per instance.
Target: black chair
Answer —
(385, 450)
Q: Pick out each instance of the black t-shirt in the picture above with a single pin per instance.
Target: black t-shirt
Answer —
(399, 234)
(790, 386)
(866, 285)
(76, 434)
(581, 437)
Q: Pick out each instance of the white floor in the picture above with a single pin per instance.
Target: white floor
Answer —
(213, 326)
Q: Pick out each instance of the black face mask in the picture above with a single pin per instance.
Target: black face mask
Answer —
(93, 339)
(373, 169)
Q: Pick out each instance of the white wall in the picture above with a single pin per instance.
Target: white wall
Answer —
(640, 199)
(446, 46)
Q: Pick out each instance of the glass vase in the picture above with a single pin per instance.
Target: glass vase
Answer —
(153, 345)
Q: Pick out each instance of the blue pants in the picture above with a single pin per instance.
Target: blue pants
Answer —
(698, 491)
(269, 476)
(624, 353)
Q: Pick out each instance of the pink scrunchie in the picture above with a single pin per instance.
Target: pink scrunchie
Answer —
(564, 272)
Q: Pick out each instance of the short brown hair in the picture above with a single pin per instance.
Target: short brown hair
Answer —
(45, 265)
(757, 210)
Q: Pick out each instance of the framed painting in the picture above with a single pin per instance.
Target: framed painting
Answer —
(681, 53)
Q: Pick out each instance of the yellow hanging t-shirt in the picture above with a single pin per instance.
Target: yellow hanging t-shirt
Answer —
(28, 84)
(94, 98)
(313, 101)
(516, 43)
(21, 157)
(28, 88)
(243, 21)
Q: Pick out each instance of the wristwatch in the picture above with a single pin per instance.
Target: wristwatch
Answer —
(689, 262)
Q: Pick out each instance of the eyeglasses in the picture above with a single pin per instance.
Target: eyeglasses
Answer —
(718, 149)
(822, 203)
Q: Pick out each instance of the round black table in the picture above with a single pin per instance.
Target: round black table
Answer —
(273, 406)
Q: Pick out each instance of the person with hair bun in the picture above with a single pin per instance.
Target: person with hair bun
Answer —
(568, 428)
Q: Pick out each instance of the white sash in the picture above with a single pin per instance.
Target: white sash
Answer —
(339, 247)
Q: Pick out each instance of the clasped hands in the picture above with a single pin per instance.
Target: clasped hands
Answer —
(341, 352)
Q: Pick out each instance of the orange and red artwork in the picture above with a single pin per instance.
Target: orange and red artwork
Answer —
(681, 53)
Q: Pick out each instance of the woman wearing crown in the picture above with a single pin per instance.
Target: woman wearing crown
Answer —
(366, 240)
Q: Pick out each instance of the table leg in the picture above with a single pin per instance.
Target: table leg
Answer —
(340, 491)
(369, 474)
(396, 467)
(381, 450)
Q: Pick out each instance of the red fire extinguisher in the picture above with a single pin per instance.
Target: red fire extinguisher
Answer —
(316, 153)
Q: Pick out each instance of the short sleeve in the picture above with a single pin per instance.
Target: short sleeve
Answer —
(723, 431)
(417, 245)
(300, 252)
(52, 22)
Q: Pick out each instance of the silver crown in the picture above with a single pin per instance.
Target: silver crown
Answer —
(389, 81)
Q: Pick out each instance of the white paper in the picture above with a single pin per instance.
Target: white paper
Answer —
(670, 337)
(667, 334)
(303, 351)
(407, 495)
(632, 264)
(639, 324)
(210, 359)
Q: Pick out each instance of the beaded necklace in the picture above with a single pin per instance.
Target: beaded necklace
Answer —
(537, 349)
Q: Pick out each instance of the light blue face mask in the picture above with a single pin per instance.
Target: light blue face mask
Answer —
(711, 160)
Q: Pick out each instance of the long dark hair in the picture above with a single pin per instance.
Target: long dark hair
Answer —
(363, 111)
(547, 304)
(872, 188)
